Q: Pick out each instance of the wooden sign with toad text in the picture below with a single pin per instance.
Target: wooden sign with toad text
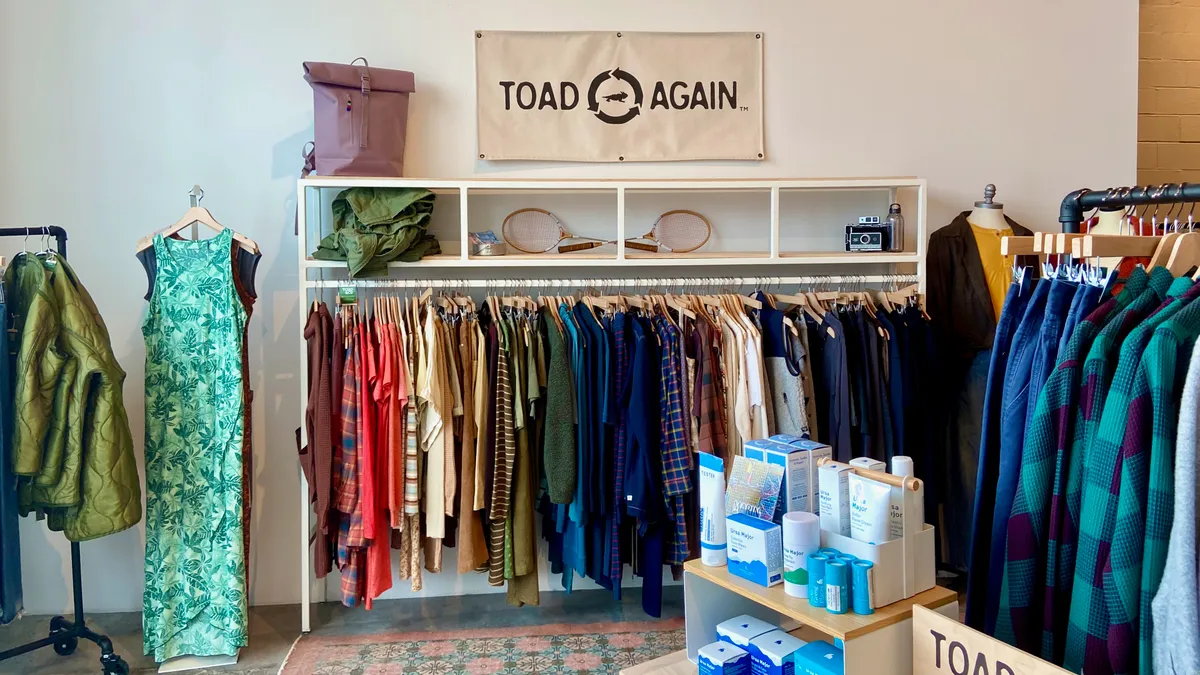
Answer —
(942, 645)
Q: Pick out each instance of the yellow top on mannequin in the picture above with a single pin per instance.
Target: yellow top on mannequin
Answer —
(995, 264)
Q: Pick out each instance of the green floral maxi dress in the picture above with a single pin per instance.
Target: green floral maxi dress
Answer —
(194, 601)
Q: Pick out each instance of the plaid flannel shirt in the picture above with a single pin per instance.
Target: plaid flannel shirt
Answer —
(616, 569)
(1089, 631)
(707, 407)
(1029, 592)
(1145, 505)
(351, 556)
(676, 459)
(345, 483)
(1094, 380)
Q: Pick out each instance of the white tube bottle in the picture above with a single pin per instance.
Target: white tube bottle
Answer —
(908, 506)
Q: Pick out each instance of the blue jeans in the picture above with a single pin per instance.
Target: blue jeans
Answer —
(1086, 299)
(1012, 439)
(989, 452)
(1058, 306)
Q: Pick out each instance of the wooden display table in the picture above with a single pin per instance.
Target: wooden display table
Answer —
(874, 644)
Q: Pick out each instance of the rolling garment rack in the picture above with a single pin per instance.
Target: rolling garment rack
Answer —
(65, 634)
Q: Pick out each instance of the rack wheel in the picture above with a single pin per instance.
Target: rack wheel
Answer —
(65, 646)
(114, 665)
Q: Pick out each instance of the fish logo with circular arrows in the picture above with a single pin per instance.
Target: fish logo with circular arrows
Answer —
(626, 84)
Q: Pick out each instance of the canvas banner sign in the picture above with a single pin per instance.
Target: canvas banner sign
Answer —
(619, 96)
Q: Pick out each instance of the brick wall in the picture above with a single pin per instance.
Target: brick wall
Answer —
(1169, 92)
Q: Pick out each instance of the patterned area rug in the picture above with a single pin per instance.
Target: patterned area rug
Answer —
(557, 648)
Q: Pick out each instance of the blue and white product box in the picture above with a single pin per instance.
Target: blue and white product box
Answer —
(740, 630)
(834, 493)
(820, 658)
(755, 549)
(793, 494)
(813, 452)
(722, 658)
(774, 653)
(868, 463)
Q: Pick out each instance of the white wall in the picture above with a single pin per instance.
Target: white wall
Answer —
(110, 111)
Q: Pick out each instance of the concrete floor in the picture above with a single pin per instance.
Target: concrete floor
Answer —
(273, 629)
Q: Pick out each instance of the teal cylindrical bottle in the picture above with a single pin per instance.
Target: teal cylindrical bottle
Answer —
(837, 586)
(816, 578)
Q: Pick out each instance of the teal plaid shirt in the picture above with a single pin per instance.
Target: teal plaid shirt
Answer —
(1145, 506)
(1094, 381)
(1088, 646)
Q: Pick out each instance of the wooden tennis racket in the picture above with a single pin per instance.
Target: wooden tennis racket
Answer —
(539, 231)
(678, 231)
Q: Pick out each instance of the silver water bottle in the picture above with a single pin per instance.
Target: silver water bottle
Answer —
(895, 227)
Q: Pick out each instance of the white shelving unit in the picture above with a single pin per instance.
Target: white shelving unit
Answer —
(774, 226)
(756, 226)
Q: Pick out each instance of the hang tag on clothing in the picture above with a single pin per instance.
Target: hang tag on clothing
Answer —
(347, 295)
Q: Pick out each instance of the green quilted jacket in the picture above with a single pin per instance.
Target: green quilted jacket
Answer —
(71, 440)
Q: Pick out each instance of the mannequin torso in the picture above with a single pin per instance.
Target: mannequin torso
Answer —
(991, 218)
(1109, 222)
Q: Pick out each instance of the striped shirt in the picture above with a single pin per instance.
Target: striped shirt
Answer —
(505, 454)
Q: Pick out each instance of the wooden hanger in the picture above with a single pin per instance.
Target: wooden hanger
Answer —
(679, 304)
(801, 301)
(660, 301)
(750, 302)
(1116, 246)
(1039, 242)
(196, 215)
(1020, 245)
(881, 298)
(1185, 253)
(1064, 241)
(634, 301)
(1047, 242)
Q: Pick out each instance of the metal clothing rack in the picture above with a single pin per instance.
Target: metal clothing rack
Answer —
(683, 283)
(1079, 202)
(622, 282)
(65, 634)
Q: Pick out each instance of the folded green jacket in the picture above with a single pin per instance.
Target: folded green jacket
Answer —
(373, 226)
(72, 444)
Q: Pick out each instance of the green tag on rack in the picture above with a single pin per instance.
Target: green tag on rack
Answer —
(347, 295)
